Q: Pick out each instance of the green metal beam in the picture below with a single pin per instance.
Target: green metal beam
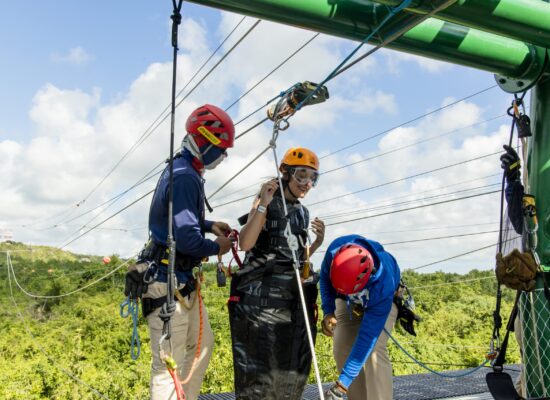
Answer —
(523, 20)
(445, 41)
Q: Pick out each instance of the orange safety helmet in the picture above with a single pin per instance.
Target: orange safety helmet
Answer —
(300, 157)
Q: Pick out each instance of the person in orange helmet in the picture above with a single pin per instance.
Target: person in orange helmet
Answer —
(271, 354)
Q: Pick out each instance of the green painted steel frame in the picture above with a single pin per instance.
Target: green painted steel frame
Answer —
(523, 20)
(513, 60)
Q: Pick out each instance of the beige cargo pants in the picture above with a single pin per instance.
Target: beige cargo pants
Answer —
(185, 335)
(375, 381)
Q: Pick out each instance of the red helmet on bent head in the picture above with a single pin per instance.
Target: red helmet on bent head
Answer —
(351, 268)
(210, 124)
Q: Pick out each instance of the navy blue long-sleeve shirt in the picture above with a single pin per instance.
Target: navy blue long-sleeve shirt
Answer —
(189, 224)
(381, 288)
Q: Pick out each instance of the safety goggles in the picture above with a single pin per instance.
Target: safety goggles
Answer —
(304, 175)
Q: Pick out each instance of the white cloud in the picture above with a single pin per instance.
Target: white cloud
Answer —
(78, 139)
(395, 59)
(75, 56)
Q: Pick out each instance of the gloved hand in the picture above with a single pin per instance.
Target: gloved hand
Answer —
(336, 392)
(510, 163)
(135, 285)
(406, 316)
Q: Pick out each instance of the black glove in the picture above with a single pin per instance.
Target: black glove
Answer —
(135, 285)
(406, 316)
(336, 392)
(510, 163)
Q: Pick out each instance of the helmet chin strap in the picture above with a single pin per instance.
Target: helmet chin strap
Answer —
(286, 185)
(190, 144)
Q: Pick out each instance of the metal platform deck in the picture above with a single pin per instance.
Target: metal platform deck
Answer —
(419, 387)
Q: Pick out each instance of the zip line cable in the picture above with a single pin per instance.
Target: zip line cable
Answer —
(111, 201)
(392, 11)
(240, 171)
(409, 121)
(108, 218)
(330, 154)
(457, 256)
(153, 127)
(387, 199)
(433, 228)
(326, 172)
(413, 144)
(37, 343)
(405, 178)
(265, 119)
(336, 223)
(202, 79)
(235, 102)
(439, 238)
(400, 203)
(87, 223)
(255, 184)
(387, 131)
(354, 210)
(413, 208)
(146, 135)
(307, 42)
(429, 239)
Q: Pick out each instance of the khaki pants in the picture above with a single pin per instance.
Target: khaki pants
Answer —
(374, 381)
(185, 335)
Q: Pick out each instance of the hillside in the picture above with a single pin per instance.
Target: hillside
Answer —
(43, 340)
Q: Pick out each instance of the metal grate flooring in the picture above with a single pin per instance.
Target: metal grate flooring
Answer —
(418, 387)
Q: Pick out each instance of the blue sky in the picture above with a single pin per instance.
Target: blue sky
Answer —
(84, 80)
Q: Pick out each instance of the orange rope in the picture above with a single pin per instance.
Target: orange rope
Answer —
(180, 393)
(199, 342)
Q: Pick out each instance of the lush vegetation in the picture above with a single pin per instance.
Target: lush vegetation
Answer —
(42, 341)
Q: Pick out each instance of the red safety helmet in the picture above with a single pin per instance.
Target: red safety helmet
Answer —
(210, 124)
(351, 268)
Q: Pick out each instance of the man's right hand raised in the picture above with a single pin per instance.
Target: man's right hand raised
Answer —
(225, 244)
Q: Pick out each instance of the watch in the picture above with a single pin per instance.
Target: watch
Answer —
(261, 209)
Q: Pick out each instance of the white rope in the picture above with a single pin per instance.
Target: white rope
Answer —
(38, 296)
(293, 245)
(78, 380)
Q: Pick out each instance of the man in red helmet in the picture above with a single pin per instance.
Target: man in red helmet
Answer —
(358, 283)
(210, 132)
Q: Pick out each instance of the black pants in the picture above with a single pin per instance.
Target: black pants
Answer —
(271, 354)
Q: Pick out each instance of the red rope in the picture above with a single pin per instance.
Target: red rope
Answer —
(234, 236)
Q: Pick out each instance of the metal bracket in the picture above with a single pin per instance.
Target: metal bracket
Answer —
(529, 79)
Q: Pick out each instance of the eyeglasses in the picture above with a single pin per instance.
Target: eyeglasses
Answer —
(304, 176)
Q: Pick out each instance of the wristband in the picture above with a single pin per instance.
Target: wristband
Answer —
(261, 209)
